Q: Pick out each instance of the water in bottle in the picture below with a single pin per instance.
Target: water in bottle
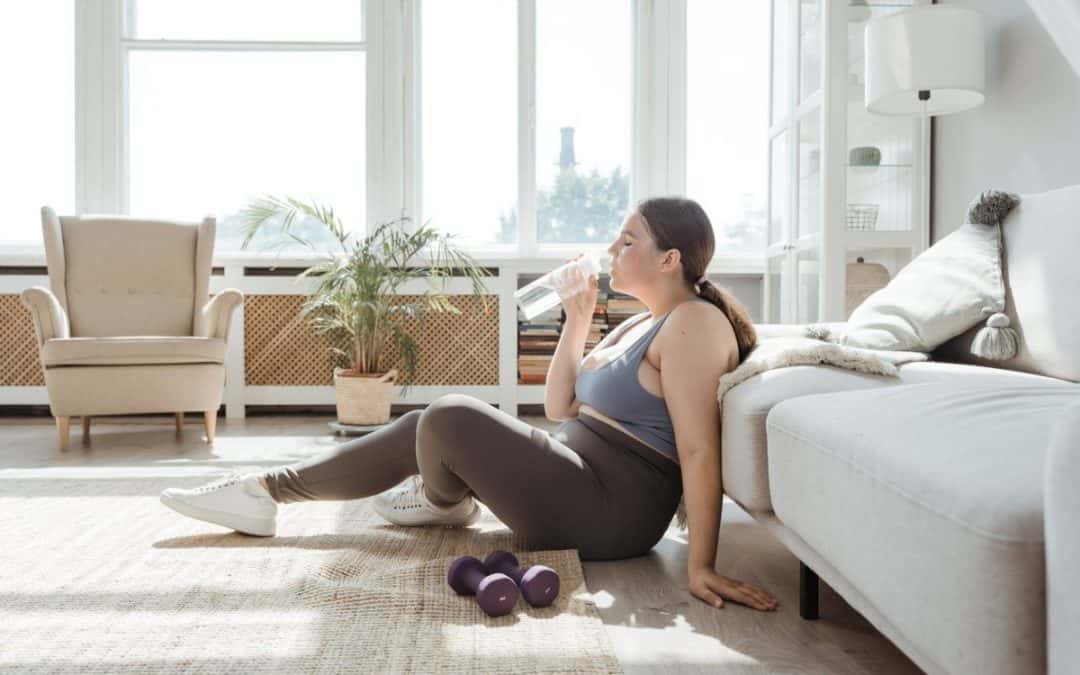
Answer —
(543, 294)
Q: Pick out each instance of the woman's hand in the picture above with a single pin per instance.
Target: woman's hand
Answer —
(583, 303)
(711, 587)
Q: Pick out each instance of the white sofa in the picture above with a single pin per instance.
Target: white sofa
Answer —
(920, 499)
(128, 325)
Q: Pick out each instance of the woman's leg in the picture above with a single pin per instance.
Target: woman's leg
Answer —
(358, 468)
(546, 492)
(597, 496)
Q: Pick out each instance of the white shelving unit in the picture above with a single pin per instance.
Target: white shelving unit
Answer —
(817, 118)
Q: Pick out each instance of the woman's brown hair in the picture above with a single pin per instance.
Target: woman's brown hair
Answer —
(677, 222)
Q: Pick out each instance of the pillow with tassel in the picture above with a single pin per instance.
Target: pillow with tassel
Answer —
(950, 287)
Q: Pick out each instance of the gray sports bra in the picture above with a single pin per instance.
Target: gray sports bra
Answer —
(614, 390)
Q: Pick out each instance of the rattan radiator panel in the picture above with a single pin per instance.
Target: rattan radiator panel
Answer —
(454, 349)
(20, 363)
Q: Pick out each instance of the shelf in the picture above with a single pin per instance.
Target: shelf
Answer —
(879, 166)
(530, 394)
(805, 282)
(879, 238)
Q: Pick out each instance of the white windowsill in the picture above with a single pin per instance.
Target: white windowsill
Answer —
(23, 255)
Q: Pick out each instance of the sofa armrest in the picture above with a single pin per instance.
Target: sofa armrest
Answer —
(214, 318)
(50, 319)
(1062, 540)
(766, 331)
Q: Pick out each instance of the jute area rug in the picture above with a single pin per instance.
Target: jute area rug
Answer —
(96, 575)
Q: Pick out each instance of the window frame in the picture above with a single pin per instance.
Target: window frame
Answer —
(128, 45)
(658, 124)
(392, 42)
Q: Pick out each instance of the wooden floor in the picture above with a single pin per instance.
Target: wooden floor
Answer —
(655, 625)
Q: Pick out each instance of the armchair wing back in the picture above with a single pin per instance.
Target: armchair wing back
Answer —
(121, 276)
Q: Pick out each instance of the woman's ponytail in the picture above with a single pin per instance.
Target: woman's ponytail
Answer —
(735, 311)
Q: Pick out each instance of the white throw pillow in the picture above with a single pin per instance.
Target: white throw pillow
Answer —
(950, 287)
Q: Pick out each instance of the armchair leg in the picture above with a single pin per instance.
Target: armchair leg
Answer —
(211, 421)
(808, 592)
(180, 422)
(63, 425)
(86, 429)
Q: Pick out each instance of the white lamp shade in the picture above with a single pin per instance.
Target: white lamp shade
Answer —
(936, 48)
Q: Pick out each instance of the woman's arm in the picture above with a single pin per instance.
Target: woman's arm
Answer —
(697, 346)
(693, 355)
(559, 401)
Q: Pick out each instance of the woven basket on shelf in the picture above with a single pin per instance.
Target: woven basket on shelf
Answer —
(862, 216)
(863, 280)
(363, 398)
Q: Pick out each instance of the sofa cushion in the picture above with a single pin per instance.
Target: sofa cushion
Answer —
(966, 373)
(928, 498)
(143, 349)
(1041, 239)
(744, 456)
(944, 291)
(1063, 543)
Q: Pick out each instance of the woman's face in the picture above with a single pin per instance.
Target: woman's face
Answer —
(633, 256)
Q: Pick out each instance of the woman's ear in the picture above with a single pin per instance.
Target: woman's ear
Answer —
(672, 258)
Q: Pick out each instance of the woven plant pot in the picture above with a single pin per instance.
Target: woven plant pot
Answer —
(363, 398)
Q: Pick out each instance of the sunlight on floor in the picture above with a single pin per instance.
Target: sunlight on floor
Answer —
(678, 643)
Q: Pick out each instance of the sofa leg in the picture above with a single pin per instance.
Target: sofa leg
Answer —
(808, 592)
(180, 422)
(86, 429)
(63, 426)
(211, 421)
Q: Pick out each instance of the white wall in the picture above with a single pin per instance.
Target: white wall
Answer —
(747, 288)
(1026, 136)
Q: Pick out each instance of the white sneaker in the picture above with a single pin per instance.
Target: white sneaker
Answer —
(236, 500)
(408, 505)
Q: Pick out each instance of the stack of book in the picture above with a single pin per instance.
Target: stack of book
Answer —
(599, 327)
(621, 307)
(537, 340)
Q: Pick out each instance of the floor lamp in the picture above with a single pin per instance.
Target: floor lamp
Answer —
(927, 60)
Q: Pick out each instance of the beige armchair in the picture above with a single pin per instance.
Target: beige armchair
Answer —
(129, 326)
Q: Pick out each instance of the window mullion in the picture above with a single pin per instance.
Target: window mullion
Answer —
(527, 240)
(98, 90)
(385, 111)
(676, 97)
(660, 75)
(411, 112)
(642, 81)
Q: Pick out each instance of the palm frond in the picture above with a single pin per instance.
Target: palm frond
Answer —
(352, 304)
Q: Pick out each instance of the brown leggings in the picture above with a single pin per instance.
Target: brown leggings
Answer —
(585, 485)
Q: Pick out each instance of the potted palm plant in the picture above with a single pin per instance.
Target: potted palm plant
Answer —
(355, 304)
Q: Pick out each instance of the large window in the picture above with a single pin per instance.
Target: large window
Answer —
(584, 110)
(473, 109)
(523, 127)
(469, 109)
(231, 100)
(727, 46)
(37, 116)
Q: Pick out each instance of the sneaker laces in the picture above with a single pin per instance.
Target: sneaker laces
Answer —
(228, 479)
(411, 493)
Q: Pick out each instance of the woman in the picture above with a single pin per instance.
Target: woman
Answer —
(608, 480)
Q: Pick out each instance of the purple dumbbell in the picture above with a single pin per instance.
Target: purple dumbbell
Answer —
(539, 584)
(495, 593)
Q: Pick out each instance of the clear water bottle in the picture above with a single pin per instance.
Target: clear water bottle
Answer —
(543, 294)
